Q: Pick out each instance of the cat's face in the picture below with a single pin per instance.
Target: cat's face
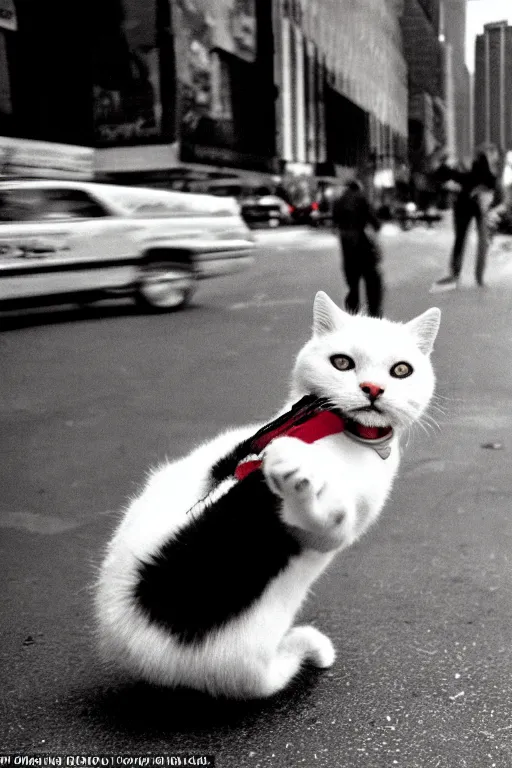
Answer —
(376, 371)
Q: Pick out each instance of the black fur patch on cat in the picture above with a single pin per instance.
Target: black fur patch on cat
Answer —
(219, 564)
(226, 466)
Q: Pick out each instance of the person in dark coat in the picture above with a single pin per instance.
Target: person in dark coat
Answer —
(357, 224)
(478, 193)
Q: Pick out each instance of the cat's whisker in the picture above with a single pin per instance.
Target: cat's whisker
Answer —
(435, 404)
(429, 417)
(423, 427)
(412, 431)
(453, 404)
(438, 410)
(450, 398)
(410, 434)
(429, 424)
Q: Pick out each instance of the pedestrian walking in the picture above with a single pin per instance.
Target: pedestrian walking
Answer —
(478, 194)
(357, 224)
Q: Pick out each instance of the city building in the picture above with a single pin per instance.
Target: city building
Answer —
(162, 89)
(342, 84)
(276, 88)
(493, 86)
(154, 86)
(453, 35)
(426, 60)
(184, 86)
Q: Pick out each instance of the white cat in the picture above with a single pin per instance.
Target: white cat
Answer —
(203, 592)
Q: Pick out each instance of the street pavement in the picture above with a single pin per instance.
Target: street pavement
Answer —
(420, 610)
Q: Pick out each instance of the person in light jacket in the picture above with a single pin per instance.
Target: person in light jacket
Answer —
(478, 194)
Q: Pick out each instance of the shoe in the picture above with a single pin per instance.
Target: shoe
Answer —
(445, 284)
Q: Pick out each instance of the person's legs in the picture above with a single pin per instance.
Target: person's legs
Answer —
(351, 269)
(462, 214)
(483, 245)
(370, 255)
(372, 276)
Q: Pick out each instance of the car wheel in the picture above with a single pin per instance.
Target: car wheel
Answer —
(163, 289)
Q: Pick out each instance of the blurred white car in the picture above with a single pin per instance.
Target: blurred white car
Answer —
(77, 241)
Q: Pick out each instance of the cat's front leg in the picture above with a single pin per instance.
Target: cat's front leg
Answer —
(315, 498)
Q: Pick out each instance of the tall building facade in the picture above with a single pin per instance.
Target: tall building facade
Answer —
(453, 32)
(493, 86)
(242, 86)
(342, 82)
(426, 66)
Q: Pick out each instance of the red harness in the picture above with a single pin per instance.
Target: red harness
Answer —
(321, 424)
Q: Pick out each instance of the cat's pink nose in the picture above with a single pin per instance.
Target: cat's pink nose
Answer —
(373, 391)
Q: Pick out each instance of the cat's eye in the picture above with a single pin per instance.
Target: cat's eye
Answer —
(342, 362)
(401, 370)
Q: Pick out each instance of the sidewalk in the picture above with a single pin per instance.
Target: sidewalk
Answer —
(427, 241)
(302, 236)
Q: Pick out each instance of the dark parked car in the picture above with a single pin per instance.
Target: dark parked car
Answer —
(317, 211)
(258, 204)
(408, 215)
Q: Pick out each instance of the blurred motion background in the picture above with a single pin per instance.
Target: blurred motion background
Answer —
(276, 102)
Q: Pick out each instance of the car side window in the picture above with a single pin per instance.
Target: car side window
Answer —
(20, 205)
(64, 204)
(46, 204)
(227, 191)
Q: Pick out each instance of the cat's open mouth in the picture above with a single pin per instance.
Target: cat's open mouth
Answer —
(370, 415)
(368, 409)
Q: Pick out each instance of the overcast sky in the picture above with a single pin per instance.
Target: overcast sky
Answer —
(482, 12)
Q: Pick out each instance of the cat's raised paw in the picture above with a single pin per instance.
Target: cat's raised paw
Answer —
(289, 471)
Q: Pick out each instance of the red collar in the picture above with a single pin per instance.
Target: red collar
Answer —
(320, 424)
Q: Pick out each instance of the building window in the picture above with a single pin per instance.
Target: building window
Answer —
(221, 98)
(8, 28)
(5, 81)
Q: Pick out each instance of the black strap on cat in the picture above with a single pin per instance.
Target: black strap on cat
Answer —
(310, 419)
(308, 411)
(303, 410)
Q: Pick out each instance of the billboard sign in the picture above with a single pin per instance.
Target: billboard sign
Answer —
(43, 159)
(204, 31)
(234, 28)
(126, 86)
(8, 19)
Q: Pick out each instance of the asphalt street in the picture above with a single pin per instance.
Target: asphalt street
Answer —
(420, 610)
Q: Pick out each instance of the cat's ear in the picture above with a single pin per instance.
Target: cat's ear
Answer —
(327, 316)
(424, 328)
